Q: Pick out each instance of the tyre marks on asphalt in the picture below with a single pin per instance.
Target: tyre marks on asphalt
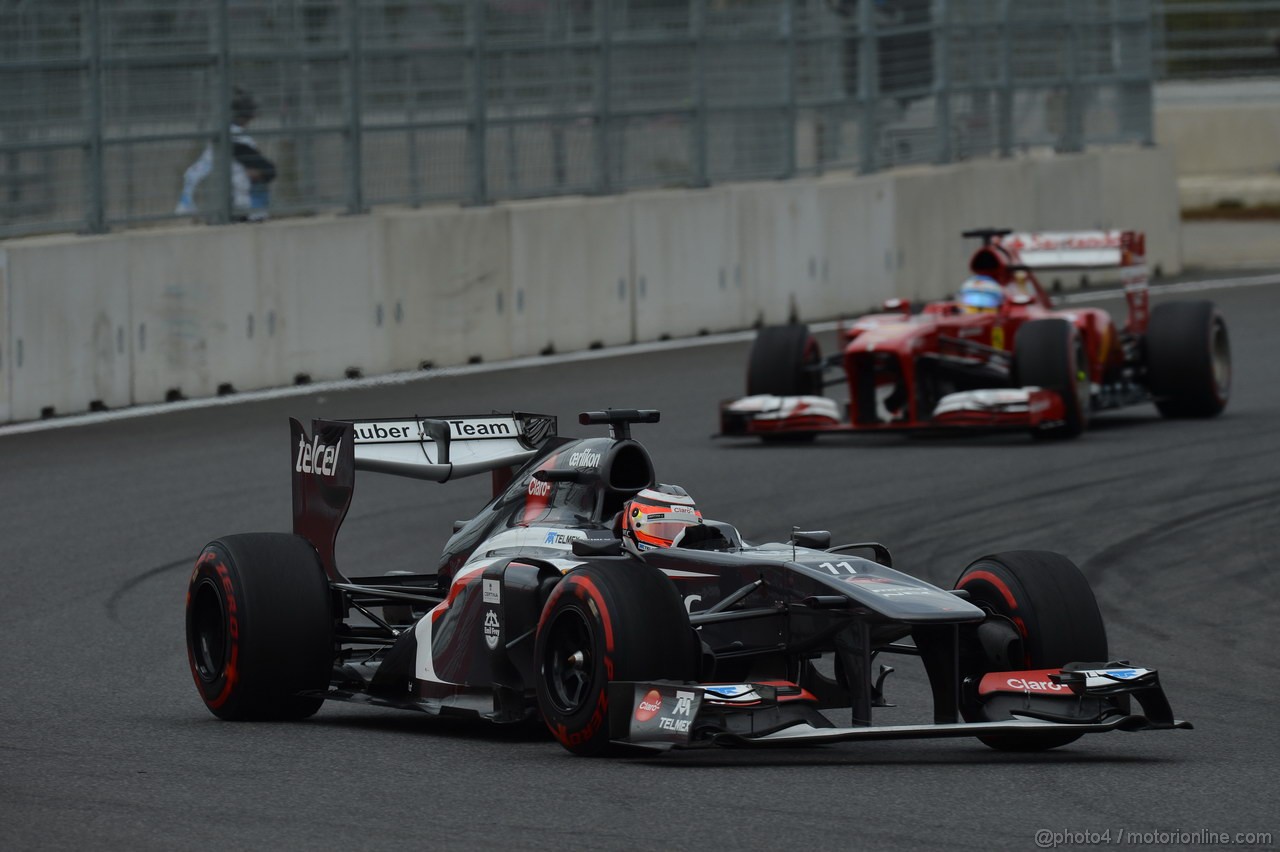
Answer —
(112, 603)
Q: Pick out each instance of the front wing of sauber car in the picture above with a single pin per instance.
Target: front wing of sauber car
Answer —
(1090, 698)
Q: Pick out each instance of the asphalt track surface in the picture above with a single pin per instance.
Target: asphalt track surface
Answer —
(105, 745)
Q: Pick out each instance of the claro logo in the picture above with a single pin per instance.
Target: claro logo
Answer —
(1034, 685)
(649, 706)
(316, 457)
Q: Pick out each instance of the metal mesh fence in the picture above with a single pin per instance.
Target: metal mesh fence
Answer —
(1224, 38)
(367, 102)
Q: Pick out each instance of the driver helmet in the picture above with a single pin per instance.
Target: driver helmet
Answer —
(981, 294)
(655, 516)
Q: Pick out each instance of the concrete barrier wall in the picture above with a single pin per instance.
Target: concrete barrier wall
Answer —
(1142, 186)
(448, 285)
(6, 350)
(570, 275)
(1225, 139)
(191, 330)
(149, 315)
(780, 249)
(688, 277)
(69, 315)
(859, 260)
(325, 280)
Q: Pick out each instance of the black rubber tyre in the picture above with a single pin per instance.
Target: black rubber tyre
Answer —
(1049, 353)
(616, 622)
(781, 362)
(259, 627)
(1053, 608)
(1188, 359)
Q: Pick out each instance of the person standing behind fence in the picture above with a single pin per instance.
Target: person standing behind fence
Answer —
(251, 172)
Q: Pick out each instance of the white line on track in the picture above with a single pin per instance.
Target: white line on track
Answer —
(404, 378)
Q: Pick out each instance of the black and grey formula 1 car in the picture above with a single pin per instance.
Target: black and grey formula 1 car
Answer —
(538, 608)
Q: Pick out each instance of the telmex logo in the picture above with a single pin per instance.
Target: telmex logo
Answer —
(584, 458)
(649, 706)
(316, 457)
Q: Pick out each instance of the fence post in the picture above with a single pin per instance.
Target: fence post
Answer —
(223, 195)
(479, 108)
(868, 86)
(95, 204)
(355, 109)
(561, 36)
(1073, 130)
(792, 112)
(700, 141)
(1004, 110)
(942, 79)
(604, 84)
(1132, 41)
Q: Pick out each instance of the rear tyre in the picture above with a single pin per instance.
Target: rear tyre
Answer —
(259, 627)
(784, 362)
(1049, 601)
(602, 623)
(1049, 353)
(1188, 359)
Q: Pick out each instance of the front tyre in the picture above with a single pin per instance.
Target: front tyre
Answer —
(785, 361)
(1188, 359)
(1049, 602)
(604, 623)
(1049, 353)
(259, 627)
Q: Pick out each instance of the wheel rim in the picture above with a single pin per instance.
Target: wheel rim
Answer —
(1220, 352)
(568, 663)
(207, 633)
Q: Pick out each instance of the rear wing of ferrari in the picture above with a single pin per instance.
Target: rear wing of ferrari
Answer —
(1112, 249)
(1076, 249)
(1123, 250)
(438, 449)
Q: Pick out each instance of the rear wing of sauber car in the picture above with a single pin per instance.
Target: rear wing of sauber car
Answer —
(440, 449)
(1123, 250)
(432, 448)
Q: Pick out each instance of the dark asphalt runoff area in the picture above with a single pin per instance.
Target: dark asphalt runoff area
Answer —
(104, 743)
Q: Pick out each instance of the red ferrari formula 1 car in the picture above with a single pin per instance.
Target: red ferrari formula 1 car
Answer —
(998, 355)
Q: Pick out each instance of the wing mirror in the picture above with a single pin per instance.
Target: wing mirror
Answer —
(815, 539)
